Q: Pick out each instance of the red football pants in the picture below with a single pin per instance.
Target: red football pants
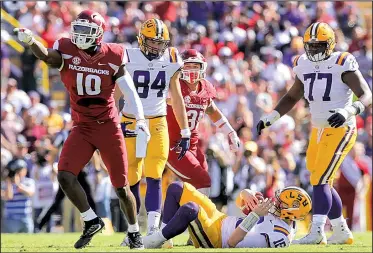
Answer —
(192, 168)
(83, 141)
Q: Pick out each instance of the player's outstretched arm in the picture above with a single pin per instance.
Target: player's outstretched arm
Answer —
(50, 56)
(222, 123)
(356, 82)
(248, 223)
(125, 84)
(178, 107)
(286, 103)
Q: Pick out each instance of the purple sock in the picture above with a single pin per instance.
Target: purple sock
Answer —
(322, 199)
(153, 197)
(336, 209)
(135, 189)
(177, 225)
(173, 196)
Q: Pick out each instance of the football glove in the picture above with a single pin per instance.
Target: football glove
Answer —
(127, 132)
(142, 126)
(25, 35)
(184, 144)
(234, 141)
(339, 117)
(267, 121)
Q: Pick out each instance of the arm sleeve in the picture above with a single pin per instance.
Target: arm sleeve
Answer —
(127, 87)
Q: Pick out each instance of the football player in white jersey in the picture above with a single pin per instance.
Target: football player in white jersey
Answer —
(328, 81)
(155, 68)
(270, 224)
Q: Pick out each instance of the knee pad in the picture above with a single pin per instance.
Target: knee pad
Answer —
(190, 209)
(175, 188)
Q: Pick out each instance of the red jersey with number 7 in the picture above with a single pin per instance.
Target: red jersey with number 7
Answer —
(195, 105)
(89, 79)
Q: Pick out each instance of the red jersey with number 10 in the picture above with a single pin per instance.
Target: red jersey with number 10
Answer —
(195, 104)
(89, 80)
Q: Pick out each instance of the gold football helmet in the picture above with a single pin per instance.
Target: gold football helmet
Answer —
(153, 38)
(319, 41)
(293, 203)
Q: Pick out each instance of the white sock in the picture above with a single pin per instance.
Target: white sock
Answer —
(154, 219)
(133, 228)
(88, 215)
(336, 222)
(319, 221)
(163, 225)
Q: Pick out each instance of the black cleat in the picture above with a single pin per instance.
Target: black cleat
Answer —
(135, 240)
(91, 228)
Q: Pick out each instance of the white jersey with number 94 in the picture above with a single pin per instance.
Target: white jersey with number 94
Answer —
(152, 79)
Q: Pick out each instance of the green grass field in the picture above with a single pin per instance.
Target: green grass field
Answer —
(102, 243)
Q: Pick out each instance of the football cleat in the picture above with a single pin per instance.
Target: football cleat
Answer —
(153, 241)
(314, 237)
(341, 235)
(90, 229)
(152, 230)
(135, 240)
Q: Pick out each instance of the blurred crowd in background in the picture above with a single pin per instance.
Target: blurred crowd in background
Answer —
(249, 47)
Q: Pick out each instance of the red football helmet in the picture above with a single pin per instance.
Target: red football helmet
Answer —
(193, 75)
(87, 30)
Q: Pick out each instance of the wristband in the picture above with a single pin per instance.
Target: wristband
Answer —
(224, 125)
(249, 222)
(185, 133)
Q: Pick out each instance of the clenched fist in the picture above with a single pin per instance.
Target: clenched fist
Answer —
(25, 35)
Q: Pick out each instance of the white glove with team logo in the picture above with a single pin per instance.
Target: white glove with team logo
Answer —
(234, 141)
(25, 35)
(142, 138)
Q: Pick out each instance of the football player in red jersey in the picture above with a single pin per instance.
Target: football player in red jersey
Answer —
(90, 70)
(198, 94)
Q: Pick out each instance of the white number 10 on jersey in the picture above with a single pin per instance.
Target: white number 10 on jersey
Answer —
(88, 84)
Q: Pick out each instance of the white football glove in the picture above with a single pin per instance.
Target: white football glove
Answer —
(25, 35)
(267, 121)
(142, 126)
(234, 141)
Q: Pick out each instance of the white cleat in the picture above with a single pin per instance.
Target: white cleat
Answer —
(152, 241)
(314, 237)
(152, 230)
(341, 235)
(169, 244)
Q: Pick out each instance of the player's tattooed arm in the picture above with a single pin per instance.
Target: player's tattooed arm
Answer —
(50, 56)
(288, 101)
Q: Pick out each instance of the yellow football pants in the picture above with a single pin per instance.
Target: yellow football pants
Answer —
(326, 151)
(205, 231)
(156, 154)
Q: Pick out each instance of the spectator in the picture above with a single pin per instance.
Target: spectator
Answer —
(38, 110)
(16, 97)
(17, 192)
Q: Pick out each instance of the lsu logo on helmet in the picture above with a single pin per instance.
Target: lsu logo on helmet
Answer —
(293, 203)
(153, 38)
(319, 41)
